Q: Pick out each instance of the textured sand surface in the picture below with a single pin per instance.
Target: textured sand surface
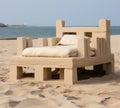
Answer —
(97, 92)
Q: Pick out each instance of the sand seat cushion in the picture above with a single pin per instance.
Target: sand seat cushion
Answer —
(66, 47)
(51, 51)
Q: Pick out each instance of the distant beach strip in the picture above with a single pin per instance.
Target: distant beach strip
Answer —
(8, 38)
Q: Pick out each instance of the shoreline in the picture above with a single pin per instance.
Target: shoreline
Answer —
(8, 38)
(40, 37)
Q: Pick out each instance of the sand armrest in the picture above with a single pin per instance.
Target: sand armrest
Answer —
(47, 41)
(99, 44)
(22, 43)
(84, 47)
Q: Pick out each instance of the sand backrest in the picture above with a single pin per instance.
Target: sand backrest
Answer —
(99, 36)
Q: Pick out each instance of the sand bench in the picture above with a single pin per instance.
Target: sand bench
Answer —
(90, 46)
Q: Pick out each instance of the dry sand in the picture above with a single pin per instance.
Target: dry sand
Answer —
(102, 92)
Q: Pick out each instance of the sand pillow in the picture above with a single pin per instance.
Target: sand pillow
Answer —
(69, 39)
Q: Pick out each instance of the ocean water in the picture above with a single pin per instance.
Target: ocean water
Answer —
(35, 32)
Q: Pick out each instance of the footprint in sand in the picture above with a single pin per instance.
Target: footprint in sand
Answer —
(13, 103)
(36, 103)
(38, 92)
(17, 94)
(109, 101)
(4, 88)
(71, 97)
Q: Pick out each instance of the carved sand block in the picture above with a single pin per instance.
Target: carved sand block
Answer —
(89, 39)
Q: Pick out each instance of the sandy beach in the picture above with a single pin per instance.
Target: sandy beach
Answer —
(97, 92)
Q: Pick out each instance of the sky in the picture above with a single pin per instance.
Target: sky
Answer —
(46, 12)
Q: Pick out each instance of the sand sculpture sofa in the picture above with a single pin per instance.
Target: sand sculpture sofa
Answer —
(72, 48)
